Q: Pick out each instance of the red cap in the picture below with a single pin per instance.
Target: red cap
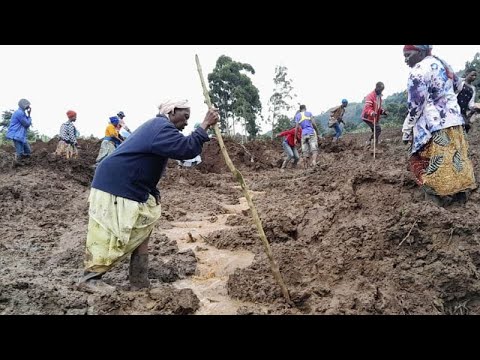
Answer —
(71, 114)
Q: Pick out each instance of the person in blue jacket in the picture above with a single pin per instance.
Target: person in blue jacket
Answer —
(124, 199)
(17, 131)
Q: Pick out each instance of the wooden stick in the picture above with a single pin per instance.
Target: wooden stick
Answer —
(406, 237)
(248, 152)
(374, 139)
(237, 175)
(451, 234)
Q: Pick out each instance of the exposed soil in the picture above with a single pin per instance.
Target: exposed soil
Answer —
(338, 232)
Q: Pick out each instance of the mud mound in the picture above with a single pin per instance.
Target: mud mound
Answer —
(79, 170)
(351, 236)
(255, 155)
(167, 264)
(24, 297)
(238, 220)
(346, 249)
(244, 237)
(44, 225)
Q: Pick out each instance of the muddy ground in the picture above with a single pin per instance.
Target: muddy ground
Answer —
(338, 232)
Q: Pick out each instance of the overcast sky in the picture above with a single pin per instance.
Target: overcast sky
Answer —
(97, 81)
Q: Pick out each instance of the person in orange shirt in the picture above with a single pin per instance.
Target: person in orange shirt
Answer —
(111, 140)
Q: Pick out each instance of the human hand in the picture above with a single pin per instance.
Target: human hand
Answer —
(28, 110)
(211, 118)
(157, 199)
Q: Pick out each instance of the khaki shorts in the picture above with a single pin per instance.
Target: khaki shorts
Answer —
(309, 144)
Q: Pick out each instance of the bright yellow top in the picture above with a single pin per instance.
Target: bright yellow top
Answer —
(111, 131)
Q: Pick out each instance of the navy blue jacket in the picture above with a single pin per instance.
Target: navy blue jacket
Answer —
(133, 170)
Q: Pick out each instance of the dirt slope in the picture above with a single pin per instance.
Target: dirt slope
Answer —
(335, 232)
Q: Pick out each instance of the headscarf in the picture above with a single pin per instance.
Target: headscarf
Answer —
(71, 114)
(168, 106)
(427, 48)
(114, 120)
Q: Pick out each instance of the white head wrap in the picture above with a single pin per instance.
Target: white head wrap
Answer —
(167, 107)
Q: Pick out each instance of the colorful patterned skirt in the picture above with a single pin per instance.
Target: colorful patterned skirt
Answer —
(442, 166)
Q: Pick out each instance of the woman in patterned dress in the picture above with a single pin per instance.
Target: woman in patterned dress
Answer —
(434, 126)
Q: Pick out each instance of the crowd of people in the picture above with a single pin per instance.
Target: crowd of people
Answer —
(124, 202)
(440, 106)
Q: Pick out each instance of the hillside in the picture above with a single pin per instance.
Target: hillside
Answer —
(339, 234)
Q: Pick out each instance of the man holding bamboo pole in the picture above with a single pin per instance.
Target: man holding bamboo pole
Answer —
(371, 113)
(124, 199)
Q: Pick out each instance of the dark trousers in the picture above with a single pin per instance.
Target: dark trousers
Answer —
(22, 148)
(378, 130)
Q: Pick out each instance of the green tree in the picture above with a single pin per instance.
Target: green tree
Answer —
(397, 108)
(280, 101)
(319, 124)
(246, 107)
(233, 92)
(283, 123)
(350, 126)
(4, 124)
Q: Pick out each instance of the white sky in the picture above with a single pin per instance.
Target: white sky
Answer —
(97, 81)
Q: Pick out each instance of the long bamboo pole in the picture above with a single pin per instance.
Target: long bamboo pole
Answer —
(239, 177)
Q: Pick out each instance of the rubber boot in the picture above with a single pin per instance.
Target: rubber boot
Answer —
(18, 161)
(437, 200)
(138, 271)
(460, 198)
